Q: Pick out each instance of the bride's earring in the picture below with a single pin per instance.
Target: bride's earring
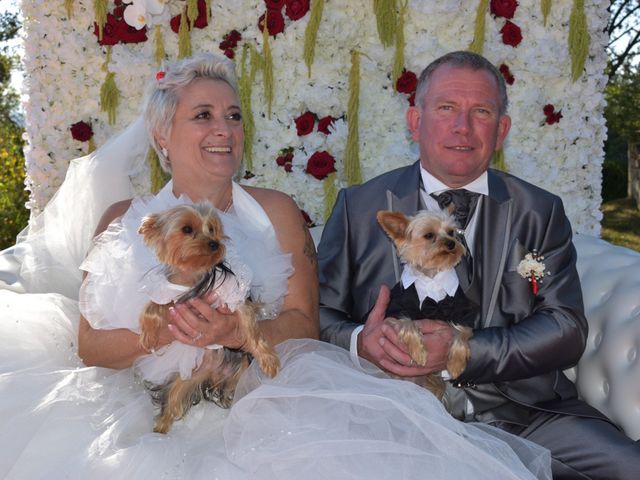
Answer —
(165, 153)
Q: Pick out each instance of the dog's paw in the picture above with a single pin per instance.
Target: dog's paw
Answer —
(411, 336)
(459, 352)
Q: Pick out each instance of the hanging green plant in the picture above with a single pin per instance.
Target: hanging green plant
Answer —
(477, 44)
(192, 12)
(398, 61)
(545, 7)
(267, 66)
(184, 36)
(208, 12)
(352, 169)
(245, 83)
(100, 12)
(330, 194)
(498, 161)
(158, 51)
(311, 33)
(68, 5)
(158, 177)
(109, 93)
(385, 11)
(578, 39)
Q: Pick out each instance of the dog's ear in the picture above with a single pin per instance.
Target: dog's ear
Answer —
(150, 229)
(394, 223)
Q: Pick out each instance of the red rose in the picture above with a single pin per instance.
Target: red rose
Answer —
(234, 36)
(503, 8)
(407, 82)
(555, 118)
(506, 73)
(247, 175)
(296, 9)
(81, 131)
(551, 114)
(284, 159)
(511, 34)
(324, 123)
(274, 4)
(275, 22)
(200, 21)
(320, 164)
(175, 23)
(305, 123)
(110, 31)
(288, 167)
(230, 53)
(412, 99)
(129, 34)
(548, 109)
(118, 12)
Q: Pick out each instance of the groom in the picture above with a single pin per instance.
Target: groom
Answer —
(522, 339)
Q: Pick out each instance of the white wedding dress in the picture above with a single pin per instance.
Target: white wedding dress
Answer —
(320, 417)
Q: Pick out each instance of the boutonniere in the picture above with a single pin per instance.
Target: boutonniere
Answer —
(531, 268)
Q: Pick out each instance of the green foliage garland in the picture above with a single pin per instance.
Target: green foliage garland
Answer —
(578, 39)
(477, 44)
(311, 33)
(353, 174)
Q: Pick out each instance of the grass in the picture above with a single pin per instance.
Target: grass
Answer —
(621, 223)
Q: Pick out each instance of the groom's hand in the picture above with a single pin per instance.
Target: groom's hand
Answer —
(437, 339)
(369, 338)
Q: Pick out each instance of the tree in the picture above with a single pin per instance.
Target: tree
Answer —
(13, 196)
(624, 34)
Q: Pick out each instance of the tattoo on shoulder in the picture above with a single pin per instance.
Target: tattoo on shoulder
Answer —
(309, 249)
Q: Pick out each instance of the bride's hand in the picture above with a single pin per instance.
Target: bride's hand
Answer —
(197, 323)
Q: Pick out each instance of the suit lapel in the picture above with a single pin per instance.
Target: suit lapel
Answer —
(404, 197)
(495, 230)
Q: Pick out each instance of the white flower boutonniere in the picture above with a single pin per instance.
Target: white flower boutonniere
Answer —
(532, 269)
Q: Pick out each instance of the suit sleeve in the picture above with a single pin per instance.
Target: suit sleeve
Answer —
(335, 272)
(553, 336)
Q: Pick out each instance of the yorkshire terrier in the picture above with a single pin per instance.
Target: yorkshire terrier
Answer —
(428, 244)
(190, 243)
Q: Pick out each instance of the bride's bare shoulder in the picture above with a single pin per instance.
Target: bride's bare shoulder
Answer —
(274, 202)
(112, 212)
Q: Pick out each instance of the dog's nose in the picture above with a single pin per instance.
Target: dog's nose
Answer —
(450, 244)
(213, 245)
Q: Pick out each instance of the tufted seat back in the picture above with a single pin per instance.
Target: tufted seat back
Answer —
(608, 374)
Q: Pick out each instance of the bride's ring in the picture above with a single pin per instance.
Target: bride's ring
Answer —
(412, 363)
(197, 337)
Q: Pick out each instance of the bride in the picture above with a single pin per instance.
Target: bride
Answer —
(72, 402)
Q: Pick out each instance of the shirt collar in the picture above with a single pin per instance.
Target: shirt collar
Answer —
(432, 185)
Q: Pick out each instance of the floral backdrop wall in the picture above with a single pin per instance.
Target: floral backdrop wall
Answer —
(326, 87)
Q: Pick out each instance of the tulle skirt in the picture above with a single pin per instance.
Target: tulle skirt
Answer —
(320, 417)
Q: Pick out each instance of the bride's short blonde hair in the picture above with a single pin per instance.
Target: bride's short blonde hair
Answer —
(162, 97)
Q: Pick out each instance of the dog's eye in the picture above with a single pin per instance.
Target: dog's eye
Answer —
(450, 233)
(187, 230)
(429, 236)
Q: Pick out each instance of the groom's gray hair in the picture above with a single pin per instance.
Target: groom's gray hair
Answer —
(162, 97)
(463, 59)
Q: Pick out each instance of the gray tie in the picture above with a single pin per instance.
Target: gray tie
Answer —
(465, 203)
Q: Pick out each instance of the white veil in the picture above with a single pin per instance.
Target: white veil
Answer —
(54, 244)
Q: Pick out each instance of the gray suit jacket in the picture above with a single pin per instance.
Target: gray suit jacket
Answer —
(521, 342)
